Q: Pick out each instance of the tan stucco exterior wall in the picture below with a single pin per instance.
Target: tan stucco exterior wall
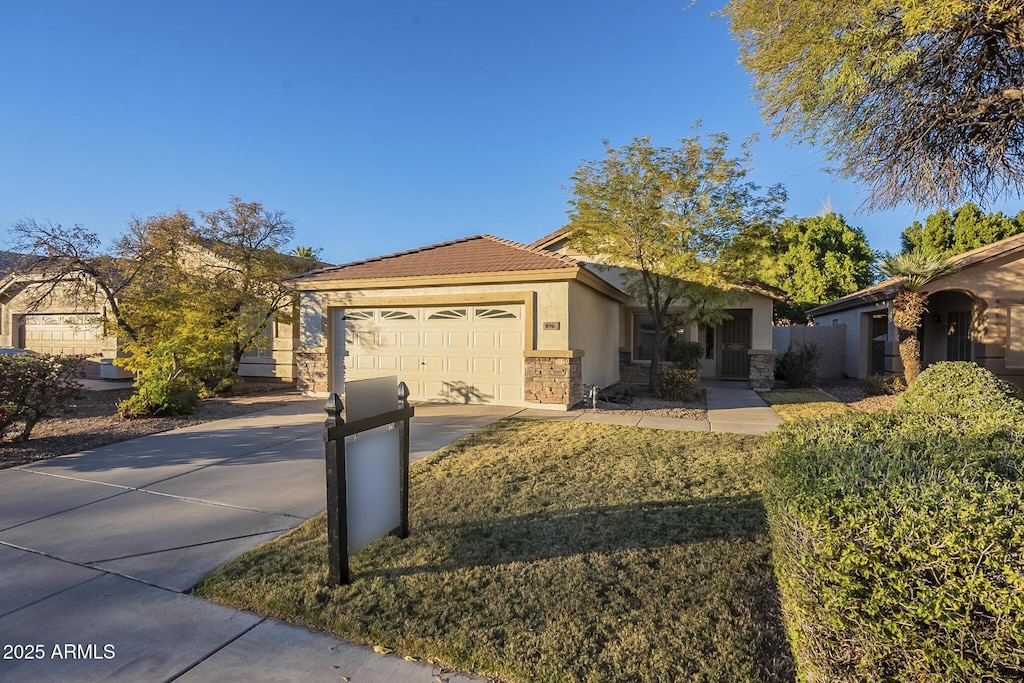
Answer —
(594, 328)
(858, 339)
(995, 287)
(277, 362)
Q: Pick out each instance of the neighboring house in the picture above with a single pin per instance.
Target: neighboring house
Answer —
(61, 320)
(974, 314)
(487, 320)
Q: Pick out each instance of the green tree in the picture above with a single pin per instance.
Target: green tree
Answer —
(966, 228)
(910, 304)
(816, 260)
(252, 243)
(920, 101)
(187, 299)
(666, 216)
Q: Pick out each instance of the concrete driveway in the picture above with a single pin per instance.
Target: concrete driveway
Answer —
(97, 548)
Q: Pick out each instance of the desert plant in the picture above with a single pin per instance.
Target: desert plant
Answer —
(915, 270)
(34, 387)
(799, 365)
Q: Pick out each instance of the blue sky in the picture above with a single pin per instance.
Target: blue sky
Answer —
(375, 126)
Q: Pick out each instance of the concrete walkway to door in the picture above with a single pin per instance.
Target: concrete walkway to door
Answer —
(98, 549)
(732, 407)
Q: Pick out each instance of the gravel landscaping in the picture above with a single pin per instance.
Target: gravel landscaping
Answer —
(848, 391)
(656, 407)
(94, 422)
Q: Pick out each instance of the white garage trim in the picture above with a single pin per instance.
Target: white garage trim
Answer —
(455, 353)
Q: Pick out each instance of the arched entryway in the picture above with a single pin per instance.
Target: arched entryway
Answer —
(948, 329)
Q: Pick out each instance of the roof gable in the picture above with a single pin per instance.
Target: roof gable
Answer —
(550, 240)
(477, 254)
(886, 289)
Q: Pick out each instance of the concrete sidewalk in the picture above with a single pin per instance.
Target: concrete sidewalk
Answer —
(97, 549)
(732, 407)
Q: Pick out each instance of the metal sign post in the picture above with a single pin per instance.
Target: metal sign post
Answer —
(338, 503)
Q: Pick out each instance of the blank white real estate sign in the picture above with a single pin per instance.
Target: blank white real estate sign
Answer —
(372, 474)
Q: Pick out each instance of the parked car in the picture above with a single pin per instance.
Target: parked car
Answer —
(11, 351)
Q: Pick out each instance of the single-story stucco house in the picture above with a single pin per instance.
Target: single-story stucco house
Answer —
(66, 318)
(487, 320)
(974, 314)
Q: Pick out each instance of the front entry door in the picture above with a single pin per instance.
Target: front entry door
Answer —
(735, 341)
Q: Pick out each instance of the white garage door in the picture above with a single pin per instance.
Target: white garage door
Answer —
(460, 354)
(64, 334)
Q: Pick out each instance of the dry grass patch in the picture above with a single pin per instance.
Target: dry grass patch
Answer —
(803, 404)
(554, 551)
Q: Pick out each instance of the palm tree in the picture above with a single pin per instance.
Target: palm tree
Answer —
(916, 269)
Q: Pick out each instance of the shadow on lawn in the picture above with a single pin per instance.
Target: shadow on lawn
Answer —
(605, 529)
(715, 546)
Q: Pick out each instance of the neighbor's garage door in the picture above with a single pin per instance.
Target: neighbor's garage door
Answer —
(63, 334)
(462, 354)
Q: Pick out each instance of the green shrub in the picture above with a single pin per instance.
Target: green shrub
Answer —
(898, 541)
(686, 355)
(163, 386)
(877, 385)
(677, 384)
(799, 365)
(159, 397)
(961, 388)
(33, 388)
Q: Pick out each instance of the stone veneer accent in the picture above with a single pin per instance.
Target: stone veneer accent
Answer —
(554, 378)
(762, 369)
(311, 372)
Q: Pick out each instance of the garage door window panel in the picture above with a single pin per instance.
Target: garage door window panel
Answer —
(398, 315)
(449, 314)
(495, 314)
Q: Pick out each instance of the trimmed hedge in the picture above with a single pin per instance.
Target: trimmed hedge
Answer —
(898, 538)
(963, 389)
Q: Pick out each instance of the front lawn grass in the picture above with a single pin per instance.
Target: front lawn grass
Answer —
(802, 404)
(554, 551)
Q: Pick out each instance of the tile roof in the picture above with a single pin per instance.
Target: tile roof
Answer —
(549, 239)
(477, 254)
(10, 260)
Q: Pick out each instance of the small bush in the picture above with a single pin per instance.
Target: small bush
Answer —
(798, 366)
(898, 538)
(162, 387)
(963, 389)
(685, 354)
(877, 385)
(677, 384)
(33, 388)
(154, 398)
